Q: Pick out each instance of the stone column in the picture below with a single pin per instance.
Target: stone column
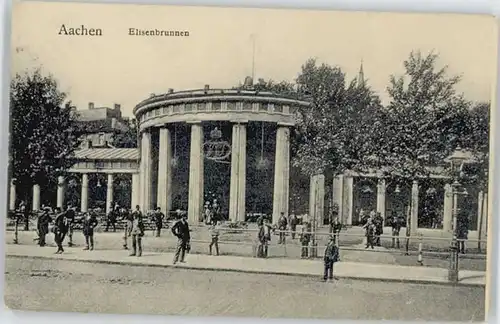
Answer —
(348, 199)
(281, 172)
(381, 193)
(12, 196)
(238, 173)
(36, 197)
(165, 171)
(448, 208)
(136, 191)
(484, 224)
(85, 193)
(480, 204)
(414, 209)
(60, 192)
(338, 195)
(195, 200)
(145, 169)
(109, 194)
(317, 198)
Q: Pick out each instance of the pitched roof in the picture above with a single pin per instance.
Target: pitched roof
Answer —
(107, 154)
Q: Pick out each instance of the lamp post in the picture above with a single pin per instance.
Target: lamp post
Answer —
(457, 160)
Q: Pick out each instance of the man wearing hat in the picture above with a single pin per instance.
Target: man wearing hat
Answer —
(282, 224)
(182, 232)
(330, 257)
(44, 220)
(70, 217)
(158, 217)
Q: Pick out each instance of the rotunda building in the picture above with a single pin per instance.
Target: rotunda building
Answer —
(158, 115)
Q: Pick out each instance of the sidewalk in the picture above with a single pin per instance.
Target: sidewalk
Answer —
(308, 268)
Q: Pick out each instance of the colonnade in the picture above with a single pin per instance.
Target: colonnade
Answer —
(343, 197)
(237, 208)
(61, 185)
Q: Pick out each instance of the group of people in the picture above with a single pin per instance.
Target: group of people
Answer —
(373, 224)
(62, 222)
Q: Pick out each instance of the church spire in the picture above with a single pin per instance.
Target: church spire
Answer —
(361, 75)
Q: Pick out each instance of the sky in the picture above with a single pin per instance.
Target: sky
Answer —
(124, 69)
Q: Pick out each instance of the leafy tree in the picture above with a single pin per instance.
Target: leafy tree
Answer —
(43, 136)
(128, 138)
(423, 122)
(476, 140)
(424, 119)
(333, 133)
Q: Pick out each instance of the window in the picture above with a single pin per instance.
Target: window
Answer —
(263, 107)
(278, 108)
(188, 107)
(231, 106)
(102, 139)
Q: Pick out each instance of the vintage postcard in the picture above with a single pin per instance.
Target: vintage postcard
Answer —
(249, 162)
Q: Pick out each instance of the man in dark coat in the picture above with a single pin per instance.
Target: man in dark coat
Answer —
(158, 217)
(43, 222)
(282, 224)
(111, 219)
(182, 232)
(60, 229)
(305, 238)
(378, 221)
(331, 256)
(70, 216)
(369, 228)
(89, 222)
(395, 223)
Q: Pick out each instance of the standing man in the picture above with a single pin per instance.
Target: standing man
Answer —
(282, 224)
(158, 217)
(214, 232)
(331, 256)
(305, 238)
(129, 219)
(60, 229)
(70, 216)
(111, 219)
(395, 223)
(379, 227)
(137, 232)
(181, 231)
(43, 226)
(89, 222)
(369, 233)
(264, 237)
(335, 228)
(215, 211)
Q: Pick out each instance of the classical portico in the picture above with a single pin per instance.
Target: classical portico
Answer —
(159, 114)
(108, 162)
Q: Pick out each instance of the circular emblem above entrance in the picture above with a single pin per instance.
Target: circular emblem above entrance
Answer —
(217, 149)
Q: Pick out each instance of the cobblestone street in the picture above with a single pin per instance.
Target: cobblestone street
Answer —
(64, 286)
